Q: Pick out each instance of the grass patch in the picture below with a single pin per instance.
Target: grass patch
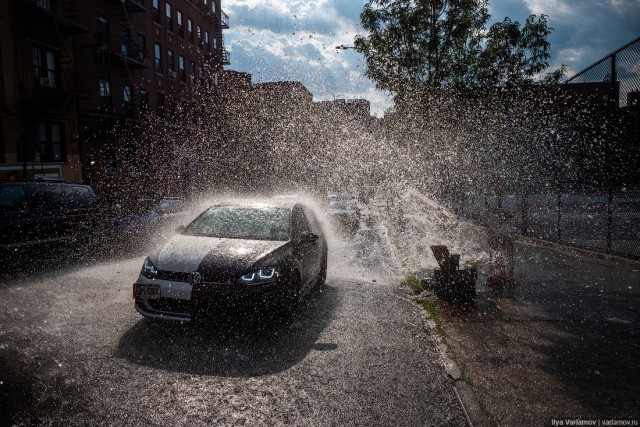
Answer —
(430, 308)
(414, 284)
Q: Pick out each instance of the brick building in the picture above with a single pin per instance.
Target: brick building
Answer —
(82, 79)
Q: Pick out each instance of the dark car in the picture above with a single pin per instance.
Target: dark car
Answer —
(44, 216)
(234, 252)
(133, 223)
(345, 215)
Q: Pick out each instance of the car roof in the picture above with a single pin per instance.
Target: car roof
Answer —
(275, 202)
(43, 183)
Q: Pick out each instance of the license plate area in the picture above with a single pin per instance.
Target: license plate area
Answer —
(150, 292)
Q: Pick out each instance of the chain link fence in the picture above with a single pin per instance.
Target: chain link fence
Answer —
(621, 69)
(602, 220)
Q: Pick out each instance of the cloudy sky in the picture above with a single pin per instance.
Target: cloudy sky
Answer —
(295, 39)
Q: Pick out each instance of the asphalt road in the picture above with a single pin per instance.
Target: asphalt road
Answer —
(73, 351)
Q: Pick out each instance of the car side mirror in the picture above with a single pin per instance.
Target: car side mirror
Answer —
(309, 237)
(180, 229)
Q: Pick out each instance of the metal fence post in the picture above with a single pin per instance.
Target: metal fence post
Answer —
(559, 216)
(525, 211)
(609, 219)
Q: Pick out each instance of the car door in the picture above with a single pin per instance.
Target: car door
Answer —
(16, 226)
(321, 244)
(48, 203)
(305, 251)
(79, 211)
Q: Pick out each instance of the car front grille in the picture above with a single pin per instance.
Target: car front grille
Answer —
(171, 305)
(174, 276)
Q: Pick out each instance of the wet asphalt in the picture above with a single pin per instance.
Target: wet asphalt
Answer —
(73, 351)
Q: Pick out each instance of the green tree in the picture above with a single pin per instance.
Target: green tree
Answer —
(445, 43)
(514, 54)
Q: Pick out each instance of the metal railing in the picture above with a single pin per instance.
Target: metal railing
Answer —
(603, 220)
(619, 66)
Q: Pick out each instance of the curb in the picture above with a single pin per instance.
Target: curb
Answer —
(469, 402)
(575, 251)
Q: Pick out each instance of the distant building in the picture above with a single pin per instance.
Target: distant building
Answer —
(360, 108)
(80, 75)
(286, 91)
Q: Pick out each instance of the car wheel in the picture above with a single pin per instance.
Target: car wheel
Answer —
(322, 276)
(292, 292)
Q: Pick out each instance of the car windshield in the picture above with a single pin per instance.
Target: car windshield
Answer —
(234, 222)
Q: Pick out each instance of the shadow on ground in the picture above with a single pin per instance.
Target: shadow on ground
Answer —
(244, 342)
(563, 343)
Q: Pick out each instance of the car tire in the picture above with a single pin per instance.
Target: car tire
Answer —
(322, 276)
(292, 293)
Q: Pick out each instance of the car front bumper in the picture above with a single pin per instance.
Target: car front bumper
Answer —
(182, 301)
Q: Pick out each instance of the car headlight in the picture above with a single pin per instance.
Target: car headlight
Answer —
(261, 276)
(149, 270)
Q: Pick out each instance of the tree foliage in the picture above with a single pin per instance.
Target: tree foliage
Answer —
(445, 43)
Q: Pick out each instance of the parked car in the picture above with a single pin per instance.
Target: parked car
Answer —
(131, 223)
(44, 216)
(234, 253)
(345, 215)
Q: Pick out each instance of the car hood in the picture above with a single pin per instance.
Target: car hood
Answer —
(210, 255)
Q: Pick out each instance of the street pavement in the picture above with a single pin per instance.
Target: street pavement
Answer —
(562, 345)
(74, 352)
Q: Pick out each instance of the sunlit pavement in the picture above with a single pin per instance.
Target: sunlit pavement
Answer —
(74, 352)
(564, 343)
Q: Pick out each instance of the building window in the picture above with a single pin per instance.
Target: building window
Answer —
(45, 4)
(169, 17)
(206, 41)
(144, 99)
(50, 141)
(171, 66)
(127, 94)
(44, 67)
(199, 33)
(142, 45)
(102, 32)
(105, 94)
(215, 43)
(2, 155)
(124, 42)
(180, 25)
(183, 76)
(192, 71)
(160, 106)
(173, 108)
(190, 29)
(156, 11)
(200, 71)
(158, 57)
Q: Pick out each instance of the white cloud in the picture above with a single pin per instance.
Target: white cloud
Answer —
(556, 7)
(296, 40)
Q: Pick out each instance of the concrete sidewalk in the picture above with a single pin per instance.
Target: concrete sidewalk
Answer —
(564, 344)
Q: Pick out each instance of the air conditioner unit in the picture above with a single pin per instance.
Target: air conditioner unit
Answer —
(45, 82)
(172, 74)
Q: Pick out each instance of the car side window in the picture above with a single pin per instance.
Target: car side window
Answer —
(313, 221)
(13, 198)
(49, 198)
(299, 223)
(79, 197)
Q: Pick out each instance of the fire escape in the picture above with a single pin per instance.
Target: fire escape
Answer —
(122, 53)
(45, 33)
(218, 54)
(51, 26)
